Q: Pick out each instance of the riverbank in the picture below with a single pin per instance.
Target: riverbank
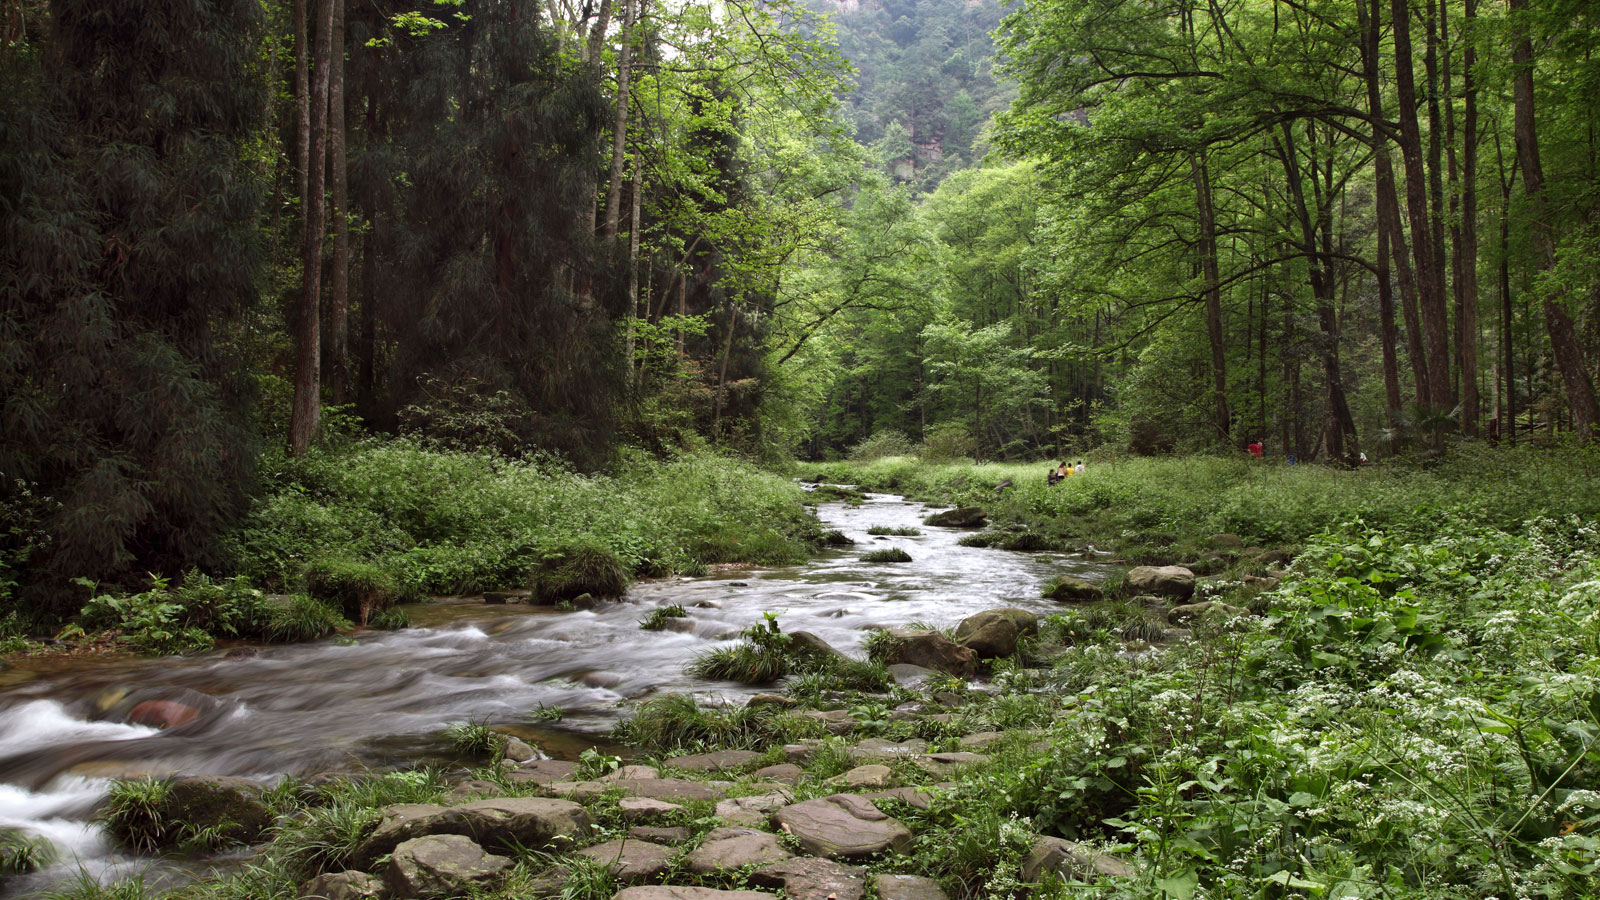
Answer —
(1407, 718)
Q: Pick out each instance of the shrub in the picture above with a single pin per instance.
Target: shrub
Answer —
(302, 618)
(761, 657)
(883, 442)
(392, 619)
(886, 555)
(576, 569)
(658, 617)
(474, 739)
(835, 539)
(357, 589)
(134, 814)
(674, 721)
(21, 853)
(897, 531)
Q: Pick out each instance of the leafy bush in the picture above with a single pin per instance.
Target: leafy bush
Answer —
(886, 555)
(658, 617)
(357, 589)
(883, 442)
(133, 814)
(761, 657)
(576, 569)
(835, 538)
(392, 619)
(896, 531)
(675, 722)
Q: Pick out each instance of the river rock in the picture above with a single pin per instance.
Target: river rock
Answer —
(916, 798)
(735, 848)
(931, 650)
(1163, 581)
(441, 865)
(519, 750)
(807, 878)
(752, 811)
(630, 773)
(960, 517)
(945, 763)
(630, 861)
(638, 810)
(669, 835)
(1067, 589)
(843, 826)
(837, 721)
(543, 771)
(719, 761)
(674, 789)
(980, 740)
(1070, 859)
(990, 634)
(881, 749)
(804, 643)
(907, 887)
(785, 773)
(1201, 610)
(162, 714)
(672, 892)
(236, 808)
(475, 789)
(777, 700)
(342, 886)
(502, 823)
(802, 751)
(868, 778)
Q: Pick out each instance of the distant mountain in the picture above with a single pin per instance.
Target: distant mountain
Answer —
(925, 82)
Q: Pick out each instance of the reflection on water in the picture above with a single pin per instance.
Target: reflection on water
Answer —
(380, 699)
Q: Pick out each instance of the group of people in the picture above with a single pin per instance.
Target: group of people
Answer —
(1063, 471)
(1257, 449)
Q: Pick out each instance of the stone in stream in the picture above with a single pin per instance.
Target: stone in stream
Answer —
(734, 848)
(752, 811)
(162, 714)
(1067, 589)
(1069, 859)
(505, 823)
(234, 808)
(672, 892)
(929, 649)
(441, 865)
(807, 878)
(1163, 581)
(342, 886)
(907, 887)
(718, 761)
(843, 826)
(519, 750)
(804, 643)
(637, 810)
(630, 861)
(960, 517)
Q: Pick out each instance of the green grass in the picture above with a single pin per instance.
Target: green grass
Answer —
(474, 739)
(675, 722)
(578, 568)
(886, 555)
(134, 814)
(658, 617)
(22, 853)
(357, 589)
(894, 531)
(303, 618)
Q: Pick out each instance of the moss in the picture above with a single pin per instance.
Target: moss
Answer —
(357, 589)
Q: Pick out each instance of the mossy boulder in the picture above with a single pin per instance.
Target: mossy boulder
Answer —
(233, 809)
(960, 517)
(357, 589)
(571, 571)
(1067, 589)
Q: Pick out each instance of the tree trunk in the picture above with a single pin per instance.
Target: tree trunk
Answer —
(1209, 268)
(1468, 251)
(619, 132)
(1387, 336)
(308, 372)
(1430, 289)
(1436, 131)
(302, 101)
(1563, 340)
(338, 173)
(1391, 240)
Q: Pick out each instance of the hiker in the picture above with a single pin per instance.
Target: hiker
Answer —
(1254, 448)
(1050, 477)
(1063, 471)
(1079, 467)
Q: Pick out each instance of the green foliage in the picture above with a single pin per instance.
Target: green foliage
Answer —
(302, 618)
(21, 853)
(835, 538)
(884, 442)
(587, 567)
(392, 619)
(358, 589)
(886, 555)
(323, 836)
(658, 617)
(762, 656)
(474, 739)
(896, 531)
(134, 814)
(675, 722)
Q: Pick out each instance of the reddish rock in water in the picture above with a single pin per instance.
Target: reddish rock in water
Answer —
(162, 714)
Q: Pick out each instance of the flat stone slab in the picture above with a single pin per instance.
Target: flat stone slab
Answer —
(752, 811)
(807, 878)
(872, 777)
(907, 887)
(1070, 859)
(669, 835)
(643, 810)
(787, 773)
(980, 740)
(843, 826)
(916, 798)
(720, 761)
(630, 861)
(943, 763)
(441, 865)
(735, 848)
(501, 823)
(543, 771)
(880, 749)
(674, 789)
(630, 773)
(667, 892)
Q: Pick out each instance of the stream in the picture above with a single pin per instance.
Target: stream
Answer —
(380, 699)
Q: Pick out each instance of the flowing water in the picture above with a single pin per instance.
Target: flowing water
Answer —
(381, 699)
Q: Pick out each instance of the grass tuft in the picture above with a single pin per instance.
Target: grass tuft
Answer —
(357, 589)
(886, 555)
(579, 568)
(894, 530)
(658, 617)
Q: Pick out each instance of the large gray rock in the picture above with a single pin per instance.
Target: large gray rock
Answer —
(812, 879)
(804, 643)
(1067, 589)
(843, 826)
(504, 823)
(1201, 610)
(342, 886)
(960, 517)
(1163, 581)
(544, 771)
(993, 633)
(234, 808)
(907, 887)
(670, 835)
(718, 761)
(869, 777)
(752, 811)
(734, 848)
(931, 650)
(641, 810)
(630, 861)
(671, 892)
(441, 865)
(875, 749)
(1068, 859)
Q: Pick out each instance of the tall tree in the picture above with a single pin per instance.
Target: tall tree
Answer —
(338, 168)
(307, 408)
